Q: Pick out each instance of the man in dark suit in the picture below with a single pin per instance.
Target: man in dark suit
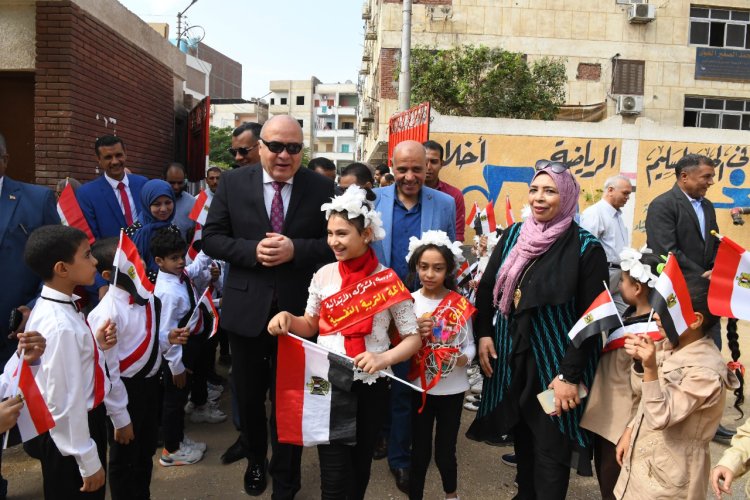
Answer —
(265, 222)
(23, 208)
(112, 201)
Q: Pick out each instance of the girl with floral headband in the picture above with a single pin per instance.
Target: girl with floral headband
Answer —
(612, 401)
(434, 259)
(352, 226)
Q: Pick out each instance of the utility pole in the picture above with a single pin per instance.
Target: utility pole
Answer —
(179, 23)
(404, 78)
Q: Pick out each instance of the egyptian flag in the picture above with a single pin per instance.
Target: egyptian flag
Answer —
(601, 315)
(35, 417)
(209, 311)
(616, 339)
(130, 271)
(70, 212)
(508, 212)
(195, 245)
(200, 209)
(729, 291)
(671, 300)
(465, 273)
(484, 222)
(314, 404)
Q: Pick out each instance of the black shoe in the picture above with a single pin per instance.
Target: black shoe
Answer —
(402, 479)
(509, 459)
(502, 440)
(723, 434)
(255, 479)
(234, 453)
(381, 449)
(225, 360)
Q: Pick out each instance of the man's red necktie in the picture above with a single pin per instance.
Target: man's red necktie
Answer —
(125, 203)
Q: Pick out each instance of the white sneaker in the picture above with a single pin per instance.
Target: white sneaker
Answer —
(475, 379)
(197, 445)
(212, 387)
(213, 395)
(189, 407)
(477, 388)
(472, 370)
(208, 413)
(473, 398)
(184, 456)
(471, 406)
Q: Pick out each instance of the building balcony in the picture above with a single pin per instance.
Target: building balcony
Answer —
(324, 111)
(347, 110)
(278, 109)
(341, 132)
(334, 156)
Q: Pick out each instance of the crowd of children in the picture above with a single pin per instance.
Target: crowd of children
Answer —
(653, 408)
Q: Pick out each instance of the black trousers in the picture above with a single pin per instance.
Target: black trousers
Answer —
(254, 375)
(444, 414)
(130, 465)
(173, 410)
(540, 475)
(607, 468)
(61, 477)
(345, 470)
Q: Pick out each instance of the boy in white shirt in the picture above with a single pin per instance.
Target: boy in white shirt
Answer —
(135, 361)
(178, 301)
(72, 377)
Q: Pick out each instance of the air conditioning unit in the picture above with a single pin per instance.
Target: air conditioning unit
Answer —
(366, 56)
(366, 115)
(366, 11)
(365, 69)
(641, 13)
(371, 34)
(629, 104)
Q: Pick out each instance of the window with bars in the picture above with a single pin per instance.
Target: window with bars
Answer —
(717, 112)
(712, 27)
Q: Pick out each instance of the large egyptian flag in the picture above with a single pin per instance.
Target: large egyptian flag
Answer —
(35, 417)
(729, 292)
(200, 209)
(601, 315)
(671, 300)
(70, 212)
(130, 271)
(616, 339)
(314, 404)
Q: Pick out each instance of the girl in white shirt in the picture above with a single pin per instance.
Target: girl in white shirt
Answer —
(434, 259)
(352, 226)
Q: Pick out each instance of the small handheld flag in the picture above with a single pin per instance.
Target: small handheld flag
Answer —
(130, 271)
(671, 300)
(729, 291)
(35, 417)
(508, 212)
(200, 209)
(601, 315)
(70, 212)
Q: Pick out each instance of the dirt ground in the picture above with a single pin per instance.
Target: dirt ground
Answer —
(481, 473)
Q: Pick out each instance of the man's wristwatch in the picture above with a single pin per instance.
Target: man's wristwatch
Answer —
(562, 378)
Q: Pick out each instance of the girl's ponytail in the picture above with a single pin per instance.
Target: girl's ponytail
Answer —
(735, 365)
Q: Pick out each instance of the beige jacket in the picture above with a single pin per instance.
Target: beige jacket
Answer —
(678, 415)
(737, 458)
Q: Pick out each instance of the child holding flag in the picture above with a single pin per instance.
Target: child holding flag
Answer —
(72, 377)
(612, 401)
(352, 226)
(664, 449)
(433, 259)
(179, 310)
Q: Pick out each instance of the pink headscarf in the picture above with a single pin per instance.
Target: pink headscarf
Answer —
(536, 238)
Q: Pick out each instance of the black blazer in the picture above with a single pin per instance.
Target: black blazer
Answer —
(237, 221)
(672, 226)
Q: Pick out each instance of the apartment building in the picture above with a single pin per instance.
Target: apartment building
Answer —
(682, 63)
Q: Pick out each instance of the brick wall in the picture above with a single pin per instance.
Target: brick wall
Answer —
(86, 75)
(225, 80)
(387, 67)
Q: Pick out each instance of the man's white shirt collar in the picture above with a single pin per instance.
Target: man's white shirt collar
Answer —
(112, 182)
(267, 179)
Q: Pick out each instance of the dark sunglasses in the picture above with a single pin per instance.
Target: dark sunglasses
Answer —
(555, 166)
(241, 151)
(276, 147)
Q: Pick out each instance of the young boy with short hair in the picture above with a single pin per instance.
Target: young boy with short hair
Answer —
(178, 301)
(135, 361)
(72, 377)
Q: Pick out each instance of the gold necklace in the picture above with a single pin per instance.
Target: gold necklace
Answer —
(517, 294)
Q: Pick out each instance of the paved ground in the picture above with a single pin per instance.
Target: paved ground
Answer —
(481, 474)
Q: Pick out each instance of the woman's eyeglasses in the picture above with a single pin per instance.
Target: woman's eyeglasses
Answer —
(241, 151)
(275, 147)
(555, 166)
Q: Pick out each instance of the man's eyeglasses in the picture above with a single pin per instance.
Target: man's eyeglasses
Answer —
(555, 166)
(276, 147)
(241, 151)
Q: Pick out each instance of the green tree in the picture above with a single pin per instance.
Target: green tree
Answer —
(482, 81)
(219, 140)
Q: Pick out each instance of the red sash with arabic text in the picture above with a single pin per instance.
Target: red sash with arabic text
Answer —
(360, 301)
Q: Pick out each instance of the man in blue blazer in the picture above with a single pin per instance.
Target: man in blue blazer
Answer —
(23, 208)
(408, 208)
(112, 201)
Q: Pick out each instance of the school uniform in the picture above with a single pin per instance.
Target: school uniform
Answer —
(178, 300)
(73, 380)
(677, 417)
(135, 361)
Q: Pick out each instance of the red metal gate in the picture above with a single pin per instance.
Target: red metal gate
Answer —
(197, 141)
(412, 124)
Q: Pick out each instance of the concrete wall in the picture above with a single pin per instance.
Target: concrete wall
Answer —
(17, 36)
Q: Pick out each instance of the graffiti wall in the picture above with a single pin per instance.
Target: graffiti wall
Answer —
(491, 167)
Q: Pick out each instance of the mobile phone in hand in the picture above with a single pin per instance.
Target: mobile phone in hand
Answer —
(547, 398)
